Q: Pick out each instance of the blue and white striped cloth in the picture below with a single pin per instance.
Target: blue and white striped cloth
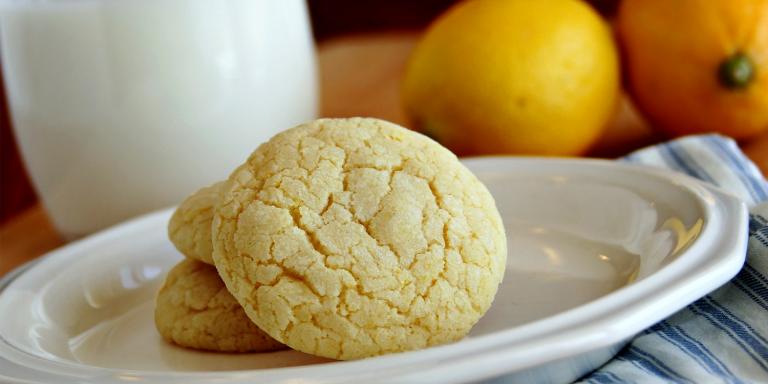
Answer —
(723, 337)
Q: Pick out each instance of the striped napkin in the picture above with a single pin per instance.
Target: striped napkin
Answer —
(723, 337)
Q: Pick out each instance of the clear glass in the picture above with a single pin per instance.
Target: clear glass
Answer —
(124, 106)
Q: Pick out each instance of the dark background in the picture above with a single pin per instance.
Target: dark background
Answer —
(330, 18)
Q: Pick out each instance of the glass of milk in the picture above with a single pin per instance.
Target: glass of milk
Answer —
(121, 107)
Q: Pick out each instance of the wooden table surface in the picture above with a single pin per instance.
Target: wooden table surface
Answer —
(359, 76)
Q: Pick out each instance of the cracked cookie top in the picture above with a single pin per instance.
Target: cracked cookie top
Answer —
(189, 229)
(195, 310)
(348, 238)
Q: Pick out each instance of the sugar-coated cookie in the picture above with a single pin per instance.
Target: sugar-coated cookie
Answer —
(190, 226)
(195, 310)
(348, 238)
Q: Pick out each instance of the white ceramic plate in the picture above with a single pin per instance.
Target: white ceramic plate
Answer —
(598, 251)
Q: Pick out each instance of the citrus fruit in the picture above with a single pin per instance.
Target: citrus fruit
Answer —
(514, 76)
(698, 65)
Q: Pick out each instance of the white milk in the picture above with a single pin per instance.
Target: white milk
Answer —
(124, 106)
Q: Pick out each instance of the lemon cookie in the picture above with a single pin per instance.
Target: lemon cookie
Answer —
(195, 310)
(190, 226)
(348, 238)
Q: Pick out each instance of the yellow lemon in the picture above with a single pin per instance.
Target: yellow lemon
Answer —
(514, 76)
(698, 66)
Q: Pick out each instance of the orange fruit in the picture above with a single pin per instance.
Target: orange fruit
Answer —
(514, 76)
(698, 65)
